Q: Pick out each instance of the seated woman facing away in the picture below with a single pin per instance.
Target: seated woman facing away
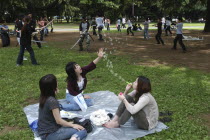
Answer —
(76, 82)
(50, 124)
(139, 104)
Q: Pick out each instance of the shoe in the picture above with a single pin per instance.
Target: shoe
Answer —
(18, 65)
(165, 119)
(158, 43)
(166, 113)
(184, 51)
(173, 48)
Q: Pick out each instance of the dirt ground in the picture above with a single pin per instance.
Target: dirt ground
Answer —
(144, 52)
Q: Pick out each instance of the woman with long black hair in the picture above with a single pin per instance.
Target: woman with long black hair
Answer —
(25, 43)
(140, 104)
(50, 124)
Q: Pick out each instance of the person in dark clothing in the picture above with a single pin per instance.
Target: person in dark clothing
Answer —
(4, 34)
(84, 28)
(135, 27)
(32, 24)
(94, 25)
(179, 36)
(25, 43)
(158, 35)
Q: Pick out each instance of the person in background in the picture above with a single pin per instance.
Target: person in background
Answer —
(118, 25)
(129, 27)
(146, 29)
(25, 43)
(168, 26)
(94, 25)
(100, 25)
(179, 36)
(4, 29)
(158, 35)
(32, 24)
(83, 29)
(41, 23)
(123, 22)
(50, 124)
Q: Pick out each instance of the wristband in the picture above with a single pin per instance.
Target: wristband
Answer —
(123, 99)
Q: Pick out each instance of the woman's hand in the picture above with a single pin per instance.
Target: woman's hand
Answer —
(121, 97)
(86, 97)
(101, 52)
(128, 87)
(78, 127)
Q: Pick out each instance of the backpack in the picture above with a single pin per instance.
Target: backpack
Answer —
(86, 123)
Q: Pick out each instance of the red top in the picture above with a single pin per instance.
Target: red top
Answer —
(72, 86)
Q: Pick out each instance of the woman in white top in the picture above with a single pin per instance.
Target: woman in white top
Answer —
(139, 104)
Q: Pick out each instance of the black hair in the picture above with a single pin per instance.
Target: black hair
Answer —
(71, 72)
(143, 86)
(48, 87)
(180, 19)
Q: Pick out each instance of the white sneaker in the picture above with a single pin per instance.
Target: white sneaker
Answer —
(24, 58)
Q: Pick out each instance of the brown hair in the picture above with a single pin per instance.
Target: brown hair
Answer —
(26, 21)
(143, 86)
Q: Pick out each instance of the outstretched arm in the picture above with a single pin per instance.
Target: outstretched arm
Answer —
(100, 55)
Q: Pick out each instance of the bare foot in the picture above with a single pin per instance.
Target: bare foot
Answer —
(115, 118)
(73, 138)
(112, 124)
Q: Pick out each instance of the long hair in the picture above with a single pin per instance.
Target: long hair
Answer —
(143, 86)
(71, 72)
(48, 86)
(26, 21)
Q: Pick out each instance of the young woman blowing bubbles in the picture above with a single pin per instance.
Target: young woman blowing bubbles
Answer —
(139, 104)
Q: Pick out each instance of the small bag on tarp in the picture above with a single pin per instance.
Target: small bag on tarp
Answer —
(86, 123)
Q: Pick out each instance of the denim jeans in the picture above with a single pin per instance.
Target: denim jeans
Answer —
(72, 105)
(66, 133)
(146, 34)
(21, 54)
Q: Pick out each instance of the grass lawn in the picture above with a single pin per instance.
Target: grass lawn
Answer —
(184, 91)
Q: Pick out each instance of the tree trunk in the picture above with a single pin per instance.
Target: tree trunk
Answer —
(207, 24)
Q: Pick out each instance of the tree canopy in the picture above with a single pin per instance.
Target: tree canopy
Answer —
(189, 9)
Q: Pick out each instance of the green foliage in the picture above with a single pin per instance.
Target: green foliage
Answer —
(181, 90)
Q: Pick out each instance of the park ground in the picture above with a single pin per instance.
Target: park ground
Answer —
(174, 73)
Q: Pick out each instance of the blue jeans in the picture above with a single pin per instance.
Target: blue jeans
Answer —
(66, 133)
(72, 105)
(146, 34)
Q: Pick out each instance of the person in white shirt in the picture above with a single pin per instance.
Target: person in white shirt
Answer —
(146, 29)
(123, 23)
(179, 36)
(139, 104)
(100, 25)
(129, 27)
(118, 25)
